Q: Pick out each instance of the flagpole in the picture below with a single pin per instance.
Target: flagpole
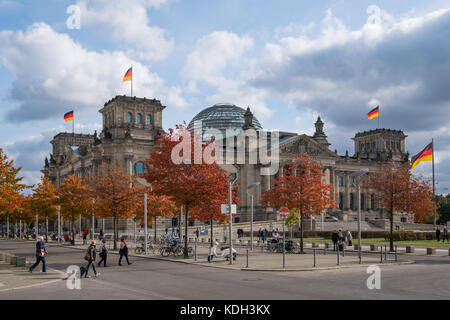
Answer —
(378, 117)
(73, 124)
(131, 80)
(434, 185)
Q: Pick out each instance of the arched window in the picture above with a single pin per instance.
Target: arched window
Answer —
(139, 118)
(139, 168)
(129, 117)
(149, 119)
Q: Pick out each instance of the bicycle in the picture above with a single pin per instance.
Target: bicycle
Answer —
(141, 248)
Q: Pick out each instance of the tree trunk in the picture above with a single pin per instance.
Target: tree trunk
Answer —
(301, 231)
(72, 242)
(211, 233)
(115, 230)
(186, 215)
(155, 227)
(391, 239)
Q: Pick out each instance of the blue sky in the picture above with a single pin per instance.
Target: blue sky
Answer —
(290, 61)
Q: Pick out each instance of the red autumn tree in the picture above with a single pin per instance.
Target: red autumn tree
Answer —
(157, 206)
(301, 186)
(43, 201)
(10, 186)
(115, 194)
(74, 197)
(190, 183)
(209, 213)
(396, 189)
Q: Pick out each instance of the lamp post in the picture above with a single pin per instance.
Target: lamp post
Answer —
(359, 174)
(251, 218)
(233, 172)
(145, 183)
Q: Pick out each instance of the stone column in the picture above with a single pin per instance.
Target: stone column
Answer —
(347, 191)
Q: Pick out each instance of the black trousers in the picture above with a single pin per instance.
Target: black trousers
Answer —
(103, 259)
(90, 263)
(123, 255)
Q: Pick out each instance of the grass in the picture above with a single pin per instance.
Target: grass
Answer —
(423, 243)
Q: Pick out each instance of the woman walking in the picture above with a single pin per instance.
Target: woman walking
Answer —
(90, 257)
(103, 253)
(123, 251)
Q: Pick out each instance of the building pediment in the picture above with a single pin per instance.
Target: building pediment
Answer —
(305, 144)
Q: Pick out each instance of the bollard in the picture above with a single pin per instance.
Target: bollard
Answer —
(343, 250)
(13, 260)
(247, 259)
(381, 254)
(373, 247)
(314, 251)
(195, 251)
(431, 251)
(396, 253)
(337, 251)
(21, 262)
(409, 249)
(385, 252)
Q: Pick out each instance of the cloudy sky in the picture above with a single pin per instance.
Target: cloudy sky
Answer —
(289, 60)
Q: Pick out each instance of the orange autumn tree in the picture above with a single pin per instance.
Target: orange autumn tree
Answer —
(191, 182)
(10, 186)
(115, 194)
(43, 201)
(75, 198)
(396, 189)
(300, 186)
(157, 206)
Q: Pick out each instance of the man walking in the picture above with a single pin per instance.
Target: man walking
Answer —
(40, 255)
(90, 257)
(123, 251)
(103, 253)
(438, 234)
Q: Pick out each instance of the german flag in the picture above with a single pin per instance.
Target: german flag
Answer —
(425, 155)
(374, 113)
(68, 116)
(128, 75)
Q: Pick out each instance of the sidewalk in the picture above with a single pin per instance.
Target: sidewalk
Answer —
(12, 277)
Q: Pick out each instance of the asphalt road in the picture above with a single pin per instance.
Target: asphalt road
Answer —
(145, 278)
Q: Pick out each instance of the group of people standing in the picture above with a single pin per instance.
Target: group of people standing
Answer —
(444, 235)
(262, 234)
(338, 239)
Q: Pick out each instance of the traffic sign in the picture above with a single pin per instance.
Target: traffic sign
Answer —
(284, 212)
(224, 209)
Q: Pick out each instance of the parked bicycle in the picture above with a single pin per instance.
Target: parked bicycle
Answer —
(141, 249)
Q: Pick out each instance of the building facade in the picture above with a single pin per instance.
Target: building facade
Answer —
(130, 127)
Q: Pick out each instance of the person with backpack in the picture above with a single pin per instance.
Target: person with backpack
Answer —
(103, 253)
(40, 255)
(123, 251)
(90, 256)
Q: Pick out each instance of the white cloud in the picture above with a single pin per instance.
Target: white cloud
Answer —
(51, 72)
(127, 23)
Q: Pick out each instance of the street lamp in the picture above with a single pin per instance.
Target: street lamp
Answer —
(359, 174)
(232, 171)
(146, 184)
(251, 219)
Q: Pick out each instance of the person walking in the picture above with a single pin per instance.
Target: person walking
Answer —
(348, 238)
(445, 235)
(260, 234)
(123, 251)
(264, 235)
(103, 253)
(40, 255)
(90, 256)
(335, 238)
(197, 233)
(438, 234)
(85, 232)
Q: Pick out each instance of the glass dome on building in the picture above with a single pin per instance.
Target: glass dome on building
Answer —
(226, 117)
